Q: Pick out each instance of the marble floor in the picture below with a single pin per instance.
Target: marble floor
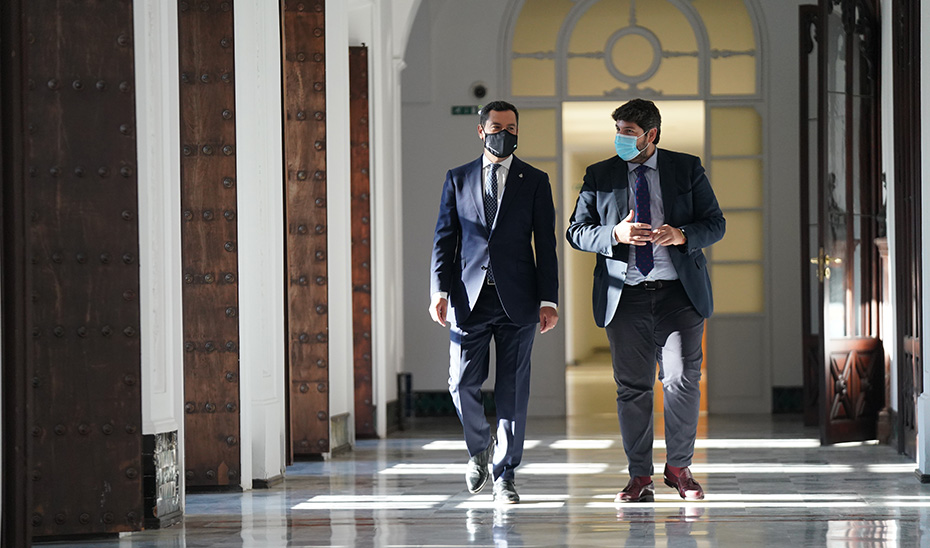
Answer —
(768, 483)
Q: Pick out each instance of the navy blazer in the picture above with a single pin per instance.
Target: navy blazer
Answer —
(689, 204)
(463, 247)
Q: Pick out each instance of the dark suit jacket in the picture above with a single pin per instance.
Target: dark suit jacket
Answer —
(463, 248)
(689, 204)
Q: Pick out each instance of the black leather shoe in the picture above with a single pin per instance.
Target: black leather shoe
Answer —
(477, 474)
(687, 487)
(639, 489)
(505, 492)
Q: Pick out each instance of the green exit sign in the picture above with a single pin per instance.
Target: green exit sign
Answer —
(464, 109)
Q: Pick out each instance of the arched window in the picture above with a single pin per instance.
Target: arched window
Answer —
(705, 52)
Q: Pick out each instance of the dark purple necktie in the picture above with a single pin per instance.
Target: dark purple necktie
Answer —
(642, 214)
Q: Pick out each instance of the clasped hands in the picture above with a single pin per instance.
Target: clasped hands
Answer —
(639, 234)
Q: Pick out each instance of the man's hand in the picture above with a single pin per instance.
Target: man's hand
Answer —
(437, 309)
(548, 317)
(668, 235)
(628, 232)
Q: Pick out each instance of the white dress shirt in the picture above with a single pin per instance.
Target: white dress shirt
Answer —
(662, 269)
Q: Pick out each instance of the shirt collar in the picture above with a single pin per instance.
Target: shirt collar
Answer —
(651, 163)
(505, 163)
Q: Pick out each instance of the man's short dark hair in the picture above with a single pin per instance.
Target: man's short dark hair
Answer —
(641, 112)
(499, 106)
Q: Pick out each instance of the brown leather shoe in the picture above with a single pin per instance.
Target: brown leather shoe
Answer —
(681, 479)
(639, 489)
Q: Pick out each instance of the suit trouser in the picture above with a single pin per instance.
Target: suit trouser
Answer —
(656, 326)
(469, 354)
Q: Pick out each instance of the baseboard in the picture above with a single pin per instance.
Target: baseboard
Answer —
(439, 403)
(787, 399)
(340, 439)
(267, 483)
(161, 480)
(162, 522)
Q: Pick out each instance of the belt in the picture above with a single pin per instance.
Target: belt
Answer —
(654, 285)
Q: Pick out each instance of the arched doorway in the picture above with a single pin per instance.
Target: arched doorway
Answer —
(564, 59)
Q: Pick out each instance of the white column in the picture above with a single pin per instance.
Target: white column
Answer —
(260, 171)
(338, 211)
(159, 176)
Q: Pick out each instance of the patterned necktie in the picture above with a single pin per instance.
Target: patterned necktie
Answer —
(490, 197)
(490, 204)
(642, 214)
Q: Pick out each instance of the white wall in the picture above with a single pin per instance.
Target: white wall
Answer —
(338, 211)
(159, 175)
(452, 45)
(783, 206)
(260, 187)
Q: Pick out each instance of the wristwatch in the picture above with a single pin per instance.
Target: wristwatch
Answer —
(683, 234)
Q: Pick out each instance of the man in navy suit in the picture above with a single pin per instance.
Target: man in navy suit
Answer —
(647, 213)
(489, 282)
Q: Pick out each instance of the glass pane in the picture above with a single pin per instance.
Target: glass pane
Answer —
(728, 24)
(619, 46)
(537, 133)
(588, 77)
(538, 25)
(533, 77)
(676, 76)
(737, 183)
(733, 75)
(835, 76)
(632, 54)
(733, 45)
(744, 122)
(738, 288)
(743, 241)
(536, 33)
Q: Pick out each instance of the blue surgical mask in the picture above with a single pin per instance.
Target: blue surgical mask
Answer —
(626, 146)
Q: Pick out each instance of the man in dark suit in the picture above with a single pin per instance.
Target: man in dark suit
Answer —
(484, 266)
(647, 213)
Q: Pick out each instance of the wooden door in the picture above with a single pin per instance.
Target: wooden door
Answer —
(365, 426)
(304, 67)
(846, 219)
(209, 245)
(907, 197)
(71, 270)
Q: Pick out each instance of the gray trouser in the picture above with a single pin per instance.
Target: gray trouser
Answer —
(656, 326)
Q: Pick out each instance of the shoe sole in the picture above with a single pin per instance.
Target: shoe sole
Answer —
(647, 496)
(680, 494)
(480, 487)
(650, 497)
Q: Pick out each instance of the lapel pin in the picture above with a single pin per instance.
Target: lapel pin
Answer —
(521, 175)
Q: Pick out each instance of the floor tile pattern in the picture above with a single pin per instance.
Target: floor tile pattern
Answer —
(768, 483)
